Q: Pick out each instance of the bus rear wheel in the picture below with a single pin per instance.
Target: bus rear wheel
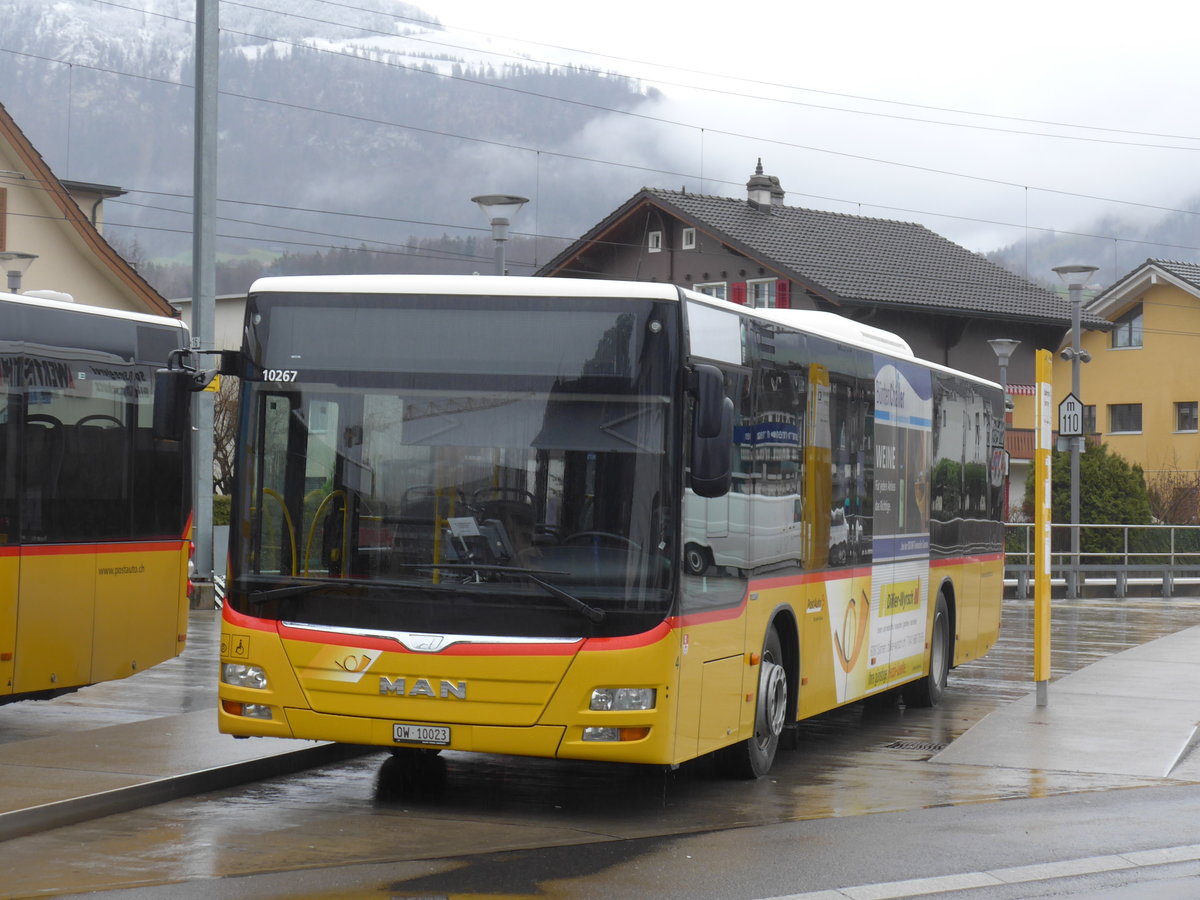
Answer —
(928, 691)
(753, 758)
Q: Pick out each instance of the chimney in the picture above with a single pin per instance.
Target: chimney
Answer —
(763, 191)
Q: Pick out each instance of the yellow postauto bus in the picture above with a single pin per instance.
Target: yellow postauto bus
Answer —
(93, 510)
(593, 520)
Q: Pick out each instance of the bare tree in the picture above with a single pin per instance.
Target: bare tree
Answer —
(225, 417)
(1175, 495)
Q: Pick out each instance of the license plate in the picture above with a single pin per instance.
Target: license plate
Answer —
(434, 735)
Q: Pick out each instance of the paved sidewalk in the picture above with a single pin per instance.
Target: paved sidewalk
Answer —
(125, 744)
(1133, 713)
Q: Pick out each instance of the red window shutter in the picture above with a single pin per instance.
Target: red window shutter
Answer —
(737, 292)
(783, 294)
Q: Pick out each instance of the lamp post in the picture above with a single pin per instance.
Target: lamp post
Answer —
(1075, 278)
(15, 263)
(1004, 349)
(499, 210)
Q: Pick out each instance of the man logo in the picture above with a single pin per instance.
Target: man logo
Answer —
(422, 688)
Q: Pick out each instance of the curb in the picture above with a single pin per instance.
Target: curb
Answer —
(22, 822)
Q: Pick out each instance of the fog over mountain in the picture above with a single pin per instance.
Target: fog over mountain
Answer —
(376, 139)
(343, 128)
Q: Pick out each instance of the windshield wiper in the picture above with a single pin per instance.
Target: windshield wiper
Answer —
(305, 587)
(291, 590)
(570, 600)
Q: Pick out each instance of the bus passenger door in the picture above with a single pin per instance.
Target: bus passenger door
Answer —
(10, 561)
(10, 566)
(54, 629)
(713, 628)
(56, 583)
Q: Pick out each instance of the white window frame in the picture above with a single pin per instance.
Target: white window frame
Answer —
(718, 289)
(1141, 425)
(654, 243)
(752, 297)
(1191, 407)
(687, 239)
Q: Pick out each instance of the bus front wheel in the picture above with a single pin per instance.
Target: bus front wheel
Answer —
(753, 758)
(928, 691)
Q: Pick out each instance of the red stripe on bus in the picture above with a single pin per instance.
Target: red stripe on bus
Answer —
(626, 642)
(965, 560)
(809, 578)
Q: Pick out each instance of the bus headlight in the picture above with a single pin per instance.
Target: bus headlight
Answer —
(239, 675)
(621, 699)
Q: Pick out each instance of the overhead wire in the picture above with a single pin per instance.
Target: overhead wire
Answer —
(595, 160)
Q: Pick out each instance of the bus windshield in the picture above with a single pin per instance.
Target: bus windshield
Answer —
(458, 465)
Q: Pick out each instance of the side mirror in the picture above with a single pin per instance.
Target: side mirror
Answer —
(712, 434)
(172, 404)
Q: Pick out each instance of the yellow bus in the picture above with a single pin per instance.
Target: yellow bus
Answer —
(593, 520)
(93, 511)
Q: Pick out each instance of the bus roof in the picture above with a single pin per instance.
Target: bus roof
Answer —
(84, 309)
(467, 285)
(826, 324)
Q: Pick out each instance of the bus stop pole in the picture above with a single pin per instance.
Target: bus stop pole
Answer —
(1041, 529)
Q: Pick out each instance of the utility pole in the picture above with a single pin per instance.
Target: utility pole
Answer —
(1075, 277)
(204, 213)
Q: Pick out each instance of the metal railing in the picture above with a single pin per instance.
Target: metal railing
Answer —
(1110, 555)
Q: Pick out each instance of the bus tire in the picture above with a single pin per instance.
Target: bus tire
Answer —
(928, 691)
(753, 758)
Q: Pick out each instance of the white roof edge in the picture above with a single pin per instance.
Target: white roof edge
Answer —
(1144, 276)
(70, 306)
(832, 325)
(508, 285)
(842, 329)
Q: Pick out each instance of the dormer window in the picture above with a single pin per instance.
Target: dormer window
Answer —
(654, 242)
(687, 239)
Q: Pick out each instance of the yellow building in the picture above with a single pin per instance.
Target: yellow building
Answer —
(1141, 389)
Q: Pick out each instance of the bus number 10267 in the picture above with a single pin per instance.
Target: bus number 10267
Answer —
(280, 375)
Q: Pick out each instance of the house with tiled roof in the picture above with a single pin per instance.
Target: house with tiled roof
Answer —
(1141, 388)
(51, 234)
(944, 300)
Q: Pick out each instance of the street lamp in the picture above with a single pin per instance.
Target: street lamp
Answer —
(1075, 278)
(1004, 349)
(500, 210)
(15, 263)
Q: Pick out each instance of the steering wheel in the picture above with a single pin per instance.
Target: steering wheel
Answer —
(101, 417)
(603, 535)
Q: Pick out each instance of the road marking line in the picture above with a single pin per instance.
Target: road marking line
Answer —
(1087, 865)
